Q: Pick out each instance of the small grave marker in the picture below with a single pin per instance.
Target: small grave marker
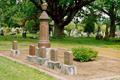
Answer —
(31, 57)
(68, 67)
(68, 58)
(53, 63)
(14, 50)
(32, 50)
(15, 45)
(53, 55)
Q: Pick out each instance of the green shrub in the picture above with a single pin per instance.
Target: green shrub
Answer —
(84, 54)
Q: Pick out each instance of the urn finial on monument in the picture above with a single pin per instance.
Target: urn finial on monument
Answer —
(44, 6)
(44, 15)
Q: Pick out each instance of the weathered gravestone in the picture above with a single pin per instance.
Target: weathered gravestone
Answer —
(15, 45)
(14, 49)
(53, 55)
(53, 62)
(32, 56)
(32, 50)
(68, 67)
(42, 60)
(68, 58)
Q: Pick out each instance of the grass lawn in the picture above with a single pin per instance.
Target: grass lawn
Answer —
(10, 70)
(69, 42)
(82, 41)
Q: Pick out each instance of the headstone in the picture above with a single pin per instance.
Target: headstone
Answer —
(14, 49)
(53, 62)
(68, 67)
(32, 57)
(41, 59)
(53, 55)
(68, 58)
(32, 50)
(15, 45)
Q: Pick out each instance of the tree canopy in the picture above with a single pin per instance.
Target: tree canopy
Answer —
(25, 13)
(62, 11)
(13, 14)
(112, 9)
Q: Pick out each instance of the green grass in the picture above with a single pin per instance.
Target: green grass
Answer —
(68, 42)
(78, 42)
(82, 41)
(10, 70)
(6, 41)
(19, 38)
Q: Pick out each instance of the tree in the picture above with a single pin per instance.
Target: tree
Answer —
(110, 8)
(88, 16)
(69, 28)
(17, 14)
(62, 11)
(13, 14)
(90, 25)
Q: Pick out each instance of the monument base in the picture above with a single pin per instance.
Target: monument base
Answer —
(68, 69)
(45, 44)
(53, 65)
(42, 61)
(31, 58)
(37, 52)
(14, 52)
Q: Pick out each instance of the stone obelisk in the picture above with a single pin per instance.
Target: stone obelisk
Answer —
(44, 28)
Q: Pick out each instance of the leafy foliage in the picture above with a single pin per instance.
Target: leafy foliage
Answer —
(89, 17)
(84, 54)
(70, 26)
(66, 2)
(90, 26)
(30, 25)
(62, 12)
(112, 10)
(13, 14)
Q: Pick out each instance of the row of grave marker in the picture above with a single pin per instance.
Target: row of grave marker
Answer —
(68, 57)
(51, 62)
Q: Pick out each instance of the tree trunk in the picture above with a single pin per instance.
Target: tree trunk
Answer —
(88, 34)
(106, 33)
(58, 31)
(112, 26)
(112, 20)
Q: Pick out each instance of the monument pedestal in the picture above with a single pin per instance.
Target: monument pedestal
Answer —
(68, 69)
(42, 61)
(14, 52)
(44, 43)
(53, 65)
(31, 58)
